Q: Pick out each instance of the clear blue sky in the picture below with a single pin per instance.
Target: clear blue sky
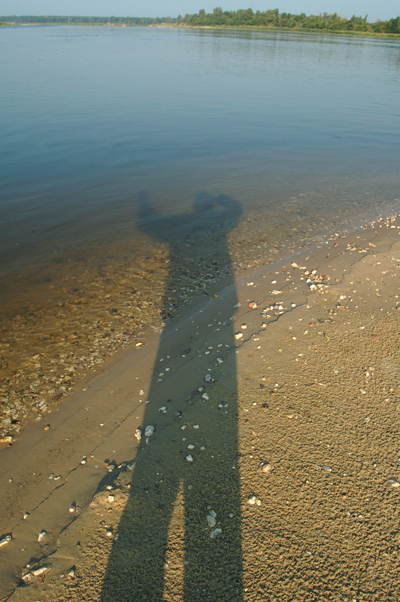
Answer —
(376, 9)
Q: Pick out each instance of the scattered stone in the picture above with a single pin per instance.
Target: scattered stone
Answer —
(211, 520)
(267, 468)
(149, 430)
(5, 540)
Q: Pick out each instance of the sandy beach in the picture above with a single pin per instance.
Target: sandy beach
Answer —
(272, 468)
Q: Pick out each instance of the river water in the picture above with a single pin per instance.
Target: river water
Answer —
(119, 144)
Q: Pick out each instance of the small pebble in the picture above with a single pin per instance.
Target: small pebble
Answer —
(267, 468)
(5, 540)
(211, 521)
(189, 458)
(149, 431)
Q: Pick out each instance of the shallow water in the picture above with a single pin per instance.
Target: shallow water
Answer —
(299, 130)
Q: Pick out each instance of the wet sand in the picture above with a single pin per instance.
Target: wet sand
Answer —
(289, 489)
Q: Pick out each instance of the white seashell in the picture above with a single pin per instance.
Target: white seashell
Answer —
(243, 326)
(71, 572)
(191, 446)
(239, 335)
(205, 396)
(42, 535)
(220, 360)
(27, 578)
(111, 498)
(252, 500)
(138, 434)
(189, 458)
(196, 426)
(72, 507)
(149, 430)
(394, 483)
(25, 516)
(40, 571)
(208, 378)
(163, 409)
(275, 292)
(237, 305)
(216, 533)
(5, 540)
(84, 460)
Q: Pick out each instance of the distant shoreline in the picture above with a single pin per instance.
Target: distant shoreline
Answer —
(177, 25)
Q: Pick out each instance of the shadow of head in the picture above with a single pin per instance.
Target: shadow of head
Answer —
(209, 215)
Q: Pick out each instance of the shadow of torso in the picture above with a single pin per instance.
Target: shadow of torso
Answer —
(179, 535)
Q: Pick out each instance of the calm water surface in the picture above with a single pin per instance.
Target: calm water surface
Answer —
(125, 151)
(93, 117)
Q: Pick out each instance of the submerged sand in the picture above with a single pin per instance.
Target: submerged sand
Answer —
(275, 478)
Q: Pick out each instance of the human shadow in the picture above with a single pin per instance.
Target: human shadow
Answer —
(189, 466)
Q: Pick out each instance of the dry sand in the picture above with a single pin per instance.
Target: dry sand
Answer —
(282, 484)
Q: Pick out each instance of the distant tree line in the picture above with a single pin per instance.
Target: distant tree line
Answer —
(273, 18)
(239, 18)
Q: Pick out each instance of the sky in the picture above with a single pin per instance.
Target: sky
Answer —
(376, 9)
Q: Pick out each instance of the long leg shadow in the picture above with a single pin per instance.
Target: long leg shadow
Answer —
(206, 419)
